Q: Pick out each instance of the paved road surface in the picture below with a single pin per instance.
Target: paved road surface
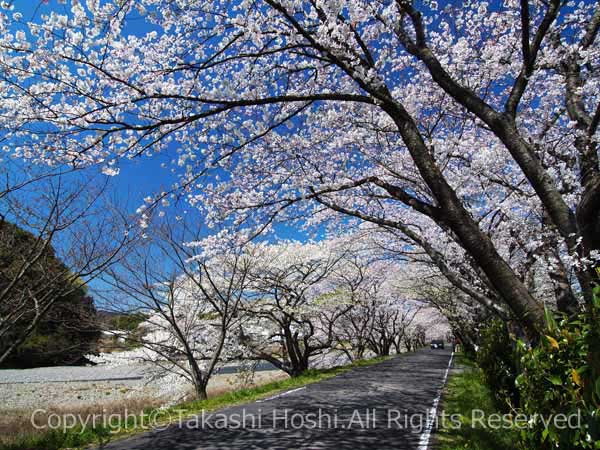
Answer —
(366, 408)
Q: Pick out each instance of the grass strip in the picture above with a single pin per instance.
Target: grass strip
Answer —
(465, 393)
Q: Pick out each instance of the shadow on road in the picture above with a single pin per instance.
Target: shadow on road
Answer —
(378, 407)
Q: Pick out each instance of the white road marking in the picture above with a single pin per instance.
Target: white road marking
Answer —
(283, 394)
(432, 413)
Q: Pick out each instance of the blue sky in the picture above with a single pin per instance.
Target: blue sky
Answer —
(139, 177)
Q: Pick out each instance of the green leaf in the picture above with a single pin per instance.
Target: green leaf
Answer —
(596, 297)
(519, 380)
(555, 380)
(583, 370)
(550, 321)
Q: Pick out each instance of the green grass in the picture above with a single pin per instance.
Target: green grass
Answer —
(466, 391)
(255, 393)
(77, 438)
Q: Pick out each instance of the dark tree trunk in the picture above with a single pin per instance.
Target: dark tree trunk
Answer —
(198, 379)
(298, 370)
(455, 217)
(588, 220)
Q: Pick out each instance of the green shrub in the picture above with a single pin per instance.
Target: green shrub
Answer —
(497, 358)
(467, 391)
(556, 378)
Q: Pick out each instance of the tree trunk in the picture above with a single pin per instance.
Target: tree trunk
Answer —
(299, 368)
(588, 220)
(200, 391)
(198, 379)
(455, 217)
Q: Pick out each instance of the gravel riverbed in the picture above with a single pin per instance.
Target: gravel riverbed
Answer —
(80, 387)
(72, 374)
(93, 386)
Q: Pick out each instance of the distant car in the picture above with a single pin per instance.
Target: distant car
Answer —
(438, 343)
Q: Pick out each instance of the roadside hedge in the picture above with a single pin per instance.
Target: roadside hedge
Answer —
(556, 378)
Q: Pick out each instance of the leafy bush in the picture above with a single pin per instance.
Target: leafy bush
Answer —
(557, 378)
(497, 358)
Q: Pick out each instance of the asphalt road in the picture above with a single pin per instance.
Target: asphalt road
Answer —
(379, 407)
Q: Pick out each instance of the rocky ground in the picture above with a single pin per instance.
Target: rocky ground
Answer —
(68, 387)
(74, 388)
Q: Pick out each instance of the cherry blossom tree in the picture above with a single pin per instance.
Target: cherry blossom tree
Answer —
(467, 128)
(380, 310)
(391, 325)
(462, 314)
(355, 281)
(193, 300)
(293, 306)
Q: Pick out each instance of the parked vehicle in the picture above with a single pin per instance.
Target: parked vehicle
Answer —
(437, 343)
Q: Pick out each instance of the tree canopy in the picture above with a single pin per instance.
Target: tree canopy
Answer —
(470, 129)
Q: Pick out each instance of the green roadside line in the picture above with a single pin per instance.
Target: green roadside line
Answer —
(87, 437)
(464, 393)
